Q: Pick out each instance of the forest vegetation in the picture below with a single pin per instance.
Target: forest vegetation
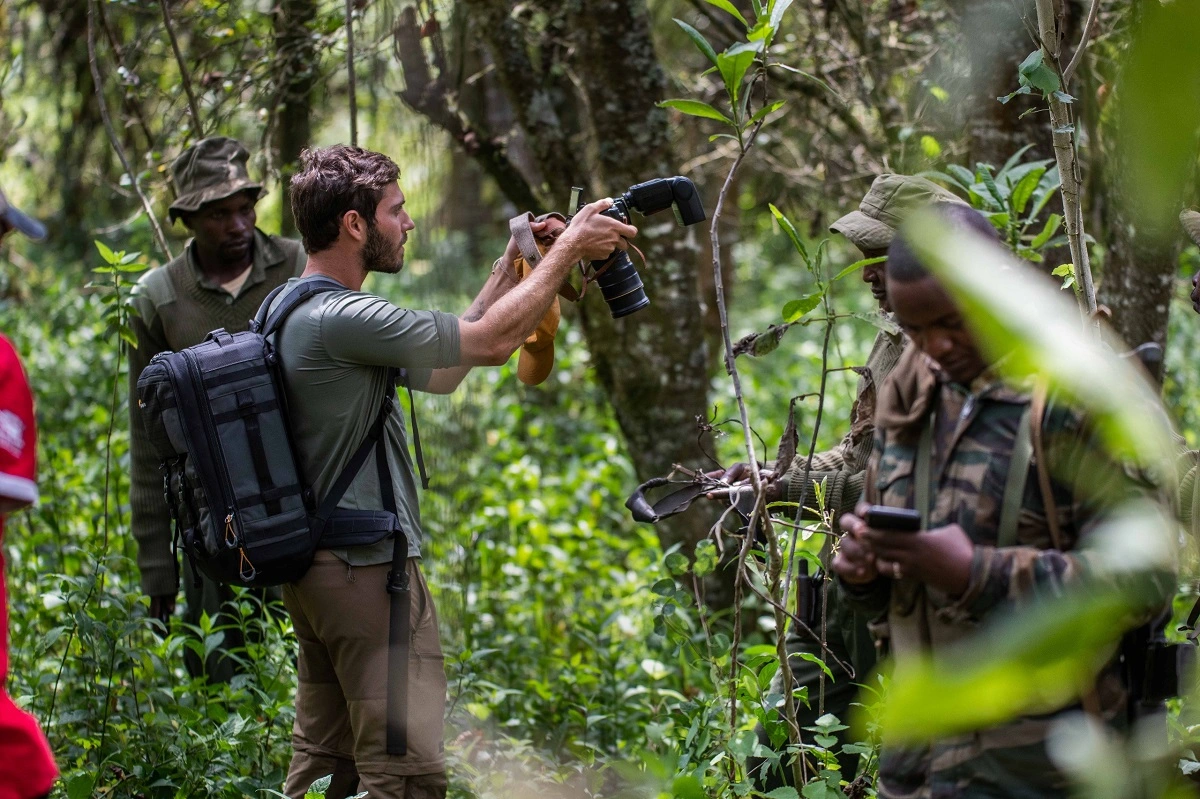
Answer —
(588, 655)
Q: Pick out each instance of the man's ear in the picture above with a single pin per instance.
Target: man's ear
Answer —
(354, 225)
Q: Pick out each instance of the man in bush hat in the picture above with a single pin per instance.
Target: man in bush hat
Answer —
(1191, 224)
(26, 766)
(223, 275)
(871, 228)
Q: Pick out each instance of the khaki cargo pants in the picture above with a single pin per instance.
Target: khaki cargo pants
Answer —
(340, 614)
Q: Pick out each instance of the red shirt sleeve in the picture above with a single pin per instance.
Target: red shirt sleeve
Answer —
(18, 436)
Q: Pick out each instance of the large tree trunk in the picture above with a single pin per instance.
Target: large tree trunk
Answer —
(603, 131)
(296, 58)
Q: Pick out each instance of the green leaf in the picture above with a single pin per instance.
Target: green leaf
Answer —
(1006, 98)
(677, 563)
(729, 8)
(688, 787)
(1051, 227)
(1020, 665)
(963, 175)
(816, 661)
(940, 94)
(80, 786)
(777, 10)
(664, 587)
(1024, 188)
(107, 254)
(698, 39)
(1157, 114)
(857, 265)
(985, 177)
(930, 147)
(1036, 73)
(796, 309)
(767, 109)
(790, 230)
(810, 76)
(733, 64)
(697, 109)
(786, 792)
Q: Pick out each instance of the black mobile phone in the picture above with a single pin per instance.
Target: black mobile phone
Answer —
(898, 520)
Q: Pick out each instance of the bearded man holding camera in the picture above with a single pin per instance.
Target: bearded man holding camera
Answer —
(341, 351)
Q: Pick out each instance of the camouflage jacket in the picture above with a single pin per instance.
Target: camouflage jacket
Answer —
(973, 435)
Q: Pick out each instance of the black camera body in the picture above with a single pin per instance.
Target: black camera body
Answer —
(619, 282)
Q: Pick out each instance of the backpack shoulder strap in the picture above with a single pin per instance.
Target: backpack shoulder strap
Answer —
(1037, 418)
(267, 321)
(1018, 476)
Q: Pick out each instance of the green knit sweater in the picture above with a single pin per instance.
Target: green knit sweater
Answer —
(176, 308)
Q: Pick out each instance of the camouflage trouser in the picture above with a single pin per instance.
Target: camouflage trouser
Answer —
(848, 638)
(212, 598)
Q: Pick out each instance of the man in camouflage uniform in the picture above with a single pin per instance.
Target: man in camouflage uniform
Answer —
(947, 431)
(871, 229)
(223, 275)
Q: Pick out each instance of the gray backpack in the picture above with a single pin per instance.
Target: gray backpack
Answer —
(216, 414)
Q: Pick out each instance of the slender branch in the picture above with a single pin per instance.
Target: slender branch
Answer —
(184, 76)
(350, 72)
(94, 64)
(1062, 131)
(1084, 38)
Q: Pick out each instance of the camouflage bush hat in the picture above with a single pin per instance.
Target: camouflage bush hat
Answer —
(1191, 223)
(887, 204)
(20, 221)
(211, 169)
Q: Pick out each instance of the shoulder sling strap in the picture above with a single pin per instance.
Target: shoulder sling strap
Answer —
(923, 473)
(1014, 484)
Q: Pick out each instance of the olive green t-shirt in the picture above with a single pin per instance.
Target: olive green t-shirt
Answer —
(336, 349)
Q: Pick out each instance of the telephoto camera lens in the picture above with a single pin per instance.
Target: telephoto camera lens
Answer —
(621, 286)
(620, 283)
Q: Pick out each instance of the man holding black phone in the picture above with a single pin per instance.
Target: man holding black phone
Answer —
(985, 492)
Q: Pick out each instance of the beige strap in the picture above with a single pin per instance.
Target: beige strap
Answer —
(1037, 407)
(1014, 484)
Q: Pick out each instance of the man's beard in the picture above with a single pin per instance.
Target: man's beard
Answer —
(379, 254)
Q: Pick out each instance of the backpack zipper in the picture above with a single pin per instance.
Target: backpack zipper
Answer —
(232, 523)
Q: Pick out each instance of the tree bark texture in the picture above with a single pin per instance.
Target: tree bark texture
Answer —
(296, 56)
(582, 81)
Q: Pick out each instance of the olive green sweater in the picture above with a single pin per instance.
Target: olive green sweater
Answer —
(176, 307)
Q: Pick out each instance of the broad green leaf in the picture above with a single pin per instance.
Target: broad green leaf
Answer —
(963, 175)
(1048, 231)
(107, 254)
(816, 661)
(777, 10)
(786, 792)
(985, 177)
(1024, 189)
(1020, 665)
(857, 265)
(729, 8)
(1035, 72)
(795, 310)
(1037, 331)
(930, 147)
(696, 108)
(790, 230)
(688, 787)
(1158, 115)
(939, 94)
(698, 39)
(733, 64)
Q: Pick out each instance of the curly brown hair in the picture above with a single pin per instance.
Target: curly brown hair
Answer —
(333, 181)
